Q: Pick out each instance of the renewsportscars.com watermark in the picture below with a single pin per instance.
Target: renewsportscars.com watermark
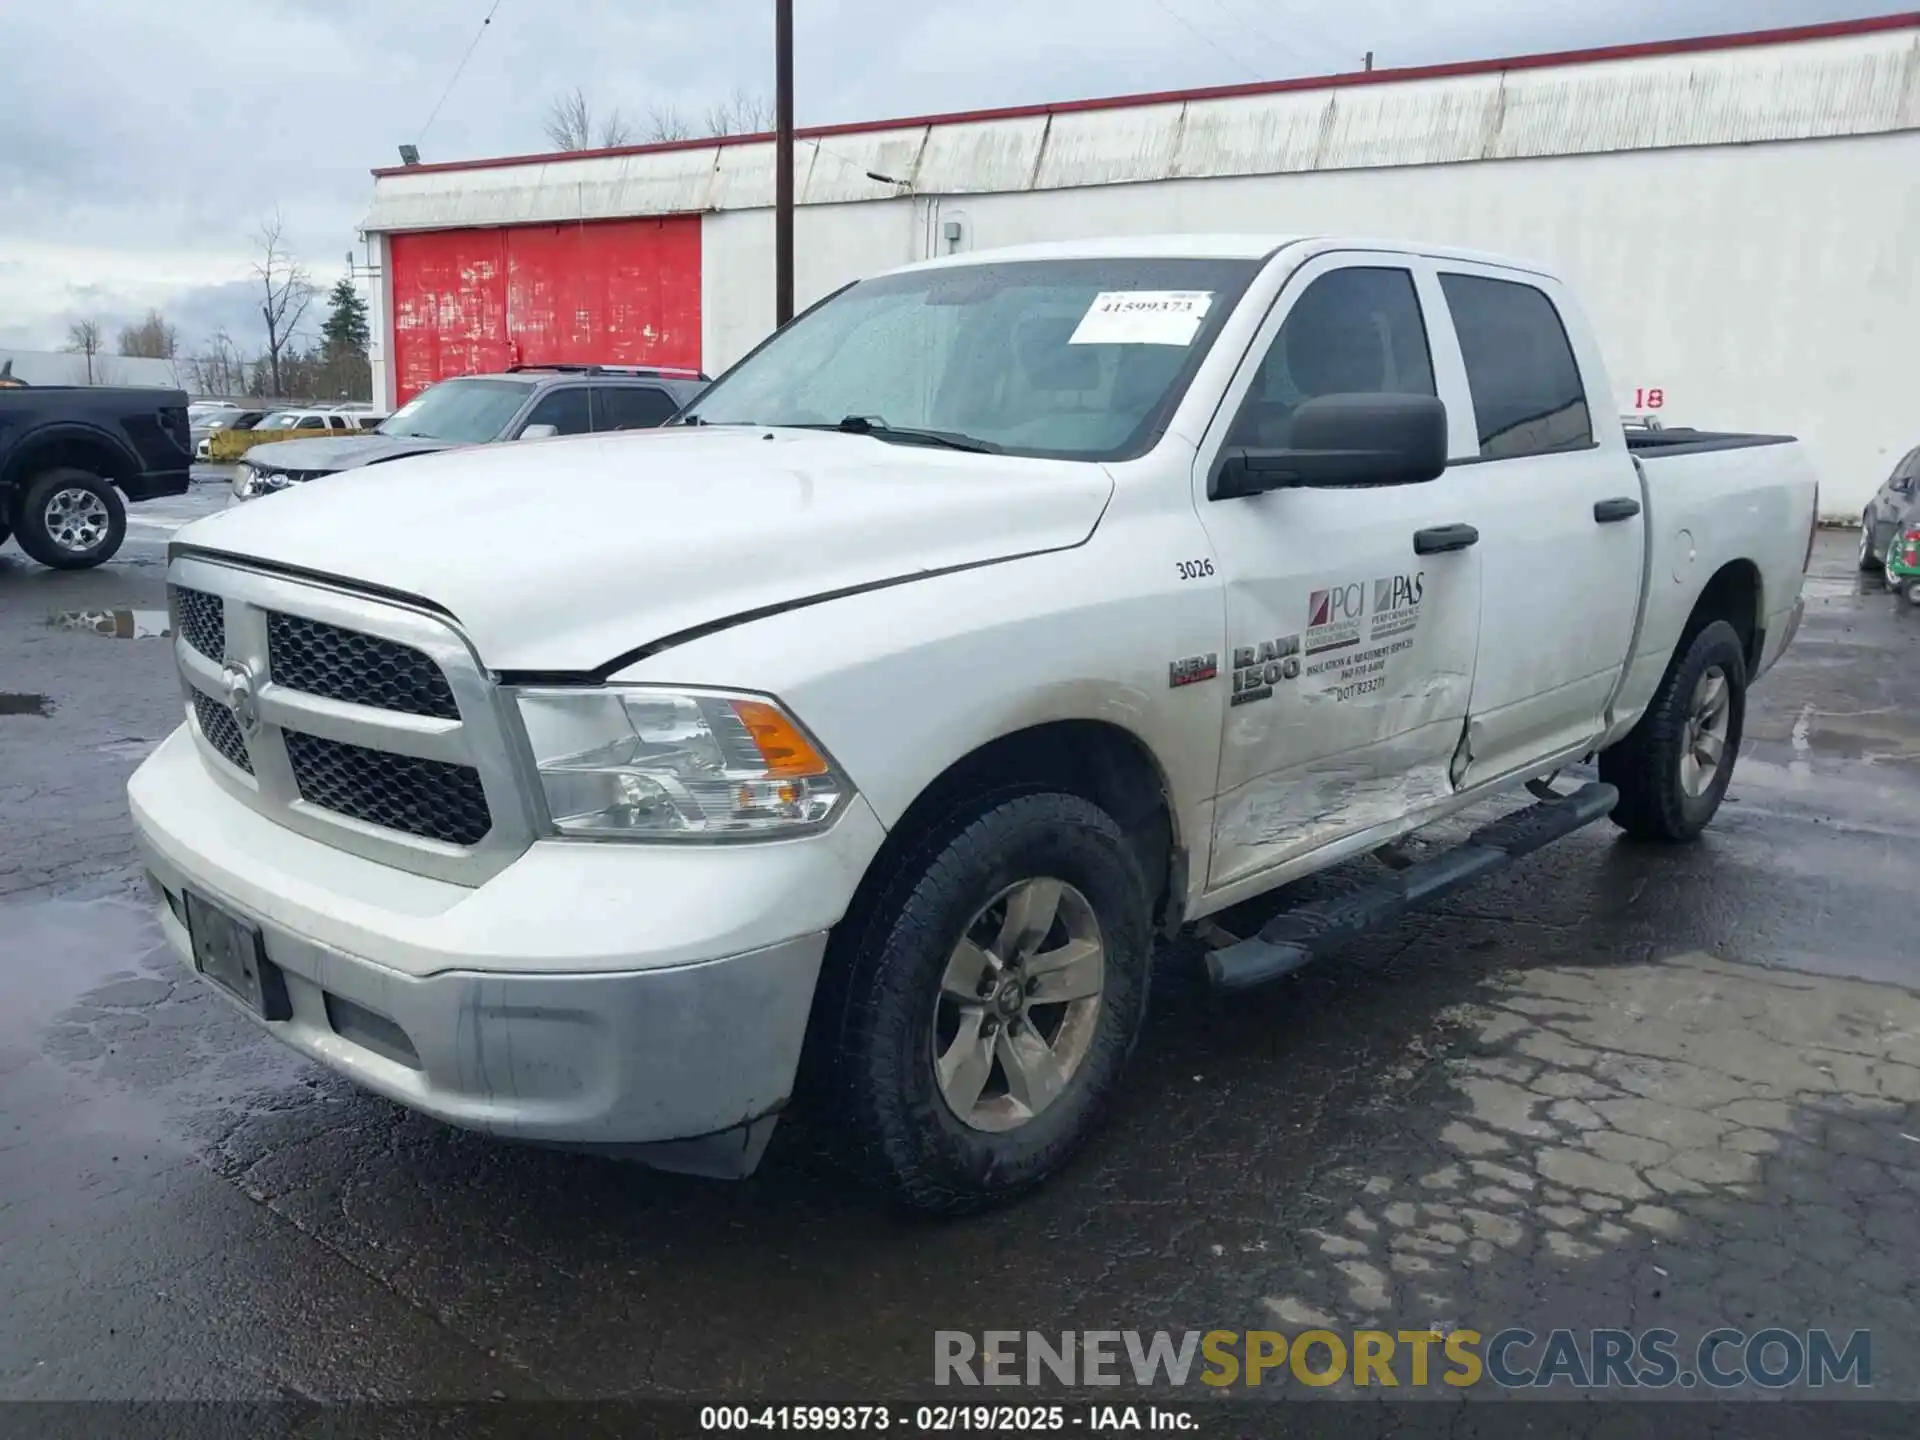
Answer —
(1512, 1359)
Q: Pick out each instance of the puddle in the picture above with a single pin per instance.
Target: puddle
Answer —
(13, 703)
(119, 624)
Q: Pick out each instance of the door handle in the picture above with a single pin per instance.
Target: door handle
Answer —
(1624, 507)
(1439, 539)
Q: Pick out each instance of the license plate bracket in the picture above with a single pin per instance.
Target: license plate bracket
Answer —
(229, 952)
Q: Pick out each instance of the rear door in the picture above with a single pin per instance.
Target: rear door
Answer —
(631, 407)
(1349, 656)
(1557, 501)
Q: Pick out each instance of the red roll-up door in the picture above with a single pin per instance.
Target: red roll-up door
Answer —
(611, 292)
(449, 306)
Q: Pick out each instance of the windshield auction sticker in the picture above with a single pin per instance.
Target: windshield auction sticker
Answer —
(1143, 317)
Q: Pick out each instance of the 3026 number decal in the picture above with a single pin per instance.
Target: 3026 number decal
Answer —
(1194, 569)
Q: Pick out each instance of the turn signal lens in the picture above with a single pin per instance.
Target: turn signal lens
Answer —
(785, 750)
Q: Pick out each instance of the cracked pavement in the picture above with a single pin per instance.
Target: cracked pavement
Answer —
(1614, 1087)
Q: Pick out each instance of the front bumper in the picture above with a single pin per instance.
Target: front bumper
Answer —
(567, 1001)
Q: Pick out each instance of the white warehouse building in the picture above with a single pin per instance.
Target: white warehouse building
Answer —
(1741, 214)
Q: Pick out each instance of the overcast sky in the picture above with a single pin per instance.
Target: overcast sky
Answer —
(142, 141)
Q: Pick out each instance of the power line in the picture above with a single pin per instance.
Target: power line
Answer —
(1207, 39)
(1292, 27)
(458, 69)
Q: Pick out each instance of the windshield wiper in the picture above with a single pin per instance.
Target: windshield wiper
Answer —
(907, 435)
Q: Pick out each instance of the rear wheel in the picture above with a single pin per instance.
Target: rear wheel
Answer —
(1672, 769)
(984, 1006)
(70, 519)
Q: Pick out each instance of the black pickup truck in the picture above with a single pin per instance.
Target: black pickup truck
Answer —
(68, 454)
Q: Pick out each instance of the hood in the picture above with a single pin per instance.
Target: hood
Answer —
(327, 453)
(565, 554)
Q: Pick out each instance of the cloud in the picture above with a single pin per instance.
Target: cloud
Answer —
(141, 143)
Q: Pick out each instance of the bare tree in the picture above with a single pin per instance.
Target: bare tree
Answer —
(570, 124)
(152, 339)
(740, 114)
(285, 292)
(83, 338)
(218, 370)
(664, 123)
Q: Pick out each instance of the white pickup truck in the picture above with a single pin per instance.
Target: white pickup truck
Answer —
(995, 615)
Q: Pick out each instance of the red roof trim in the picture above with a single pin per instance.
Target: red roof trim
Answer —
(1692, 45)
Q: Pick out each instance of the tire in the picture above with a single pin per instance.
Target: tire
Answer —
(1868, 561)
(1662, 798)
(891, 1014)
(1895, 583)
(70, 519)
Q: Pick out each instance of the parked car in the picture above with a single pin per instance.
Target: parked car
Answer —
(528, 402)
(210, 422)
(72, 456)
(997, 614)
(1887, 514)
(237, 420)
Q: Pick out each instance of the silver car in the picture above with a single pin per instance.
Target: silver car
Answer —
(522, 404)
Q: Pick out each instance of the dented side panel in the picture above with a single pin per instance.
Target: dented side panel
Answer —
(1351, 657)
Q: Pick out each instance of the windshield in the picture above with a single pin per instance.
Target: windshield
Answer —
(1072, 359)
(279, 420)
(469, 412)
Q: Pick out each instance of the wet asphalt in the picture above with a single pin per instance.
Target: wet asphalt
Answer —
(1617, 1086)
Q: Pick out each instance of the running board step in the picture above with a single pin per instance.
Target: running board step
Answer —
(1288, 941)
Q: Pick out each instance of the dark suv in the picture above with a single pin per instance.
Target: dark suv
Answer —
(525, 403)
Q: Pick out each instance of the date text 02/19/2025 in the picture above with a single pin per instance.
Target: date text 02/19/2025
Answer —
(948, 1419)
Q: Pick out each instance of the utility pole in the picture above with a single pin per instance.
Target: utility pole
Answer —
(1369, 60)
(782, 161)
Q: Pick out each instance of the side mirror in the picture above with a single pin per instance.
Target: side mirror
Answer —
(539, 432)
(1341, 441)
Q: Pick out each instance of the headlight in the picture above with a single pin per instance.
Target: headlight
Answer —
(250, 483)
(645, 764)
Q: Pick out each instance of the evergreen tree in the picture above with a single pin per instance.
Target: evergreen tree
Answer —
(345, 332)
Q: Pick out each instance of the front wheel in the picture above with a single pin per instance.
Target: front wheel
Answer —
(1673, 767)
(71, 519)
(1868, 561)
(985, 1004)
(1896, 583)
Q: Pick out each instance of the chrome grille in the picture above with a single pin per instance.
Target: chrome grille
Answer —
(217, 724)
(363, 723)
(428, 798)
(202, 620)
(361, 669)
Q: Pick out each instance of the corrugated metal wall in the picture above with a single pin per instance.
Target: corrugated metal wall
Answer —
(618, 292)
(1853, 84)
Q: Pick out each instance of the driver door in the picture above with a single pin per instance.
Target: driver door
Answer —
(1352, 655)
